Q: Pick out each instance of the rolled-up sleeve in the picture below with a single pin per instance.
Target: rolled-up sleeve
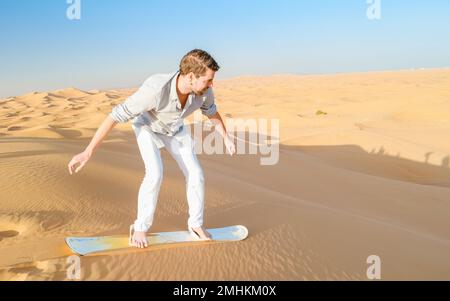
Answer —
(144, 99)
(209, 107)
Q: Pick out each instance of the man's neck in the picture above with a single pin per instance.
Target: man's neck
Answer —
(183, 90)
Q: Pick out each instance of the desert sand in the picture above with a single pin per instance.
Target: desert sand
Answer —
(370, 175)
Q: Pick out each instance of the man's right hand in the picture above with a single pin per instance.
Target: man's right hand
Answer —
(80, 160)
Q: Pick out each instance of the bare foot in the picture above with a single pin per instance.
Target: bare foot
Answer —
(202, 233)
(139, 240)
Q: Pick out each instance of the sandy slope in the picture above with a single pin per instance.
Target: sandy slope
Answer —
(371, 176)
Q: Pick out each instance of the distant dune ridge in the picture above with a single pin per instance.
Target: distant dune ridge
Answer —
(369, 175)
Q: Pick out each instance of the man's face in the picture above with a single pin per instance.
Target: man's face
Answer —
(203, 83)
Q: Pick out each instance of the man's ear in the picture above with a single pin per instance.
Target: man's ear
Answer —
(191, 76)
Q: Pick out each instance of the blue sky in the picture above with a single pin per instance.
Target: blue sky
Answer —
(119, 43)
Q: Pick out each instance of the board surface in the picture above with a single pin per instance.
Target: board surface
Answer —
(88, 245)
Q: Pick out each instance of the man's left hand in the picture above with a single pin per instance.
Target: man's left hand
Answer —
(229, 145)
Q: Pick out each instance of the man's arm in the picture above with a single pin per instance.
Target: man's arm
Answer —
(82, 158)
(219, 126)
(216, 119)
(144, 99)
(104, 129)
(141, 100)
(209, 109)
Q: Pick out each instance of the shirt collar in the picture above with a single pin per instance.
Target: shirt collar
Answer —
(173, 95)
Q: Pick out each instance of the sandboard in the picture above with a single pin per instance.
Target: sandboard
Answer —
(88, 245)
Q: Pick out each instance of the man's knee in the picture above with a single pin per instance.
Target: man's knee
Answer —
(153, 175)
(196, 175)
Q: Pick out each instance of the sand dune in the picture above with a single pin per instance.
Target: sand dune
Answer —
(364, 169)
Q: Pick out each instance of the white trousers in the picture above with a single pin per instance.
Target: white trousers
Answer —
(181, 148)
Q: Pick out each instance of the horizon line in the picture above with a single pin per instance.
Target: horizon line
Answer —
(2, 98)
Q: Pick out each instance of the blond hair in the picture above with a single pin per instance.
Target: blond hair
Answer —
(197, 61)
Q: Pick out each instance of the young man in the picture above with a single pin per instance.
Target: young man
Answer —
(157, 110)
